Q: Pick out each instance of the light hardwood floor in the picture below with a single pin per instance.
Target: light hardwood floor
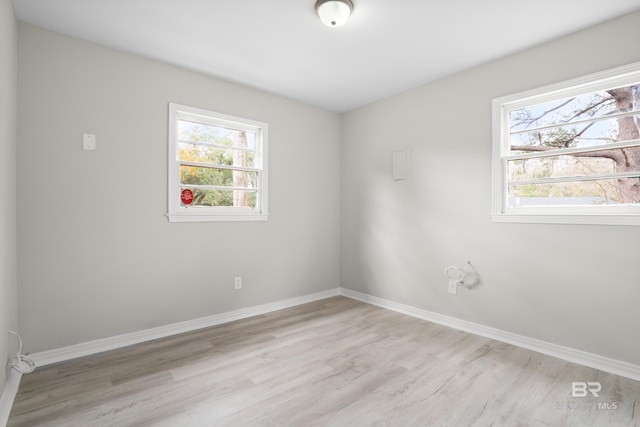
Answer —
(335, 362)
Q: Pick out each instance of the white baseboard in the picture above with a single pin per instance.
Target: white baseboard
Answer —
(595, 361)
(105, 344)
(9, 395)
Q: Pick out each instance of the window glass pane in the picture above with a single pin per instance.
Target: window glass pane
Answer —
(216, 156)
(220, 177)
(228, 198)
(217, 166)
(586, 164)
(200, 132)
(590, 105)
(591, 193)
(577, 135)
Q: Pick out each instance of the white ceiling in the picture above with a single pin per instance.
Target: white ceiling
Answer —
(280, 46)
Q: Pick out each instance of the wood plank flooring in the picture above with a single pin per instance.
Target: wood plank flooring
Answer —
(335, 362)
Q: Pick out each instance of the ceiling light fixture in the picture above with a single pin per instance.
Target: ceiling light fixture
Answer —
(334, 13)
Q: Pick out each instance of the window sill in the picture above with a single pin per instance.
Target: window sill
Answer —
(207, 217)
(615, 219)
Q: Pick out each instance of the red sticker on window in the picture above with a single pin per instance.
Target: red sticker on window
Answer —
(186, 196)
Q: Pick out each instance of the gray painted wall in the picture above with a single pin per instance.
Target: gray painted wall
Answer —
(97, 256)
(573, 285)
(8, 238)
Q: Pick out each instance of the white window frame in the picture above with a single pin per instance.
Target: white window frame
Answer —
(501, 107)
(179, 213)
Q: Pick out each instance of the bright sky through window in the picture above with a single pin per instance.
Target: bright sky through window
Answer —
(572, 150)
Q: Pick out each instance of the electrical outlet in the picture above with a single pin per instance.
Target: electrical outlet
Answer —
(453, 287)
(237, 282)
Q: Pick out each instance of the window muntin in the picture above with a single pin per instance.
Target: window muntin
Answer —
(205, 153)
(564, 193)
(558, 168)
(570, 150)
(221, 159)
(592, 133)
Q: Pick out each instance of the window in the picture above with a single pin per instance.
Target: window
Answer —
(570, 153)
(217, 166)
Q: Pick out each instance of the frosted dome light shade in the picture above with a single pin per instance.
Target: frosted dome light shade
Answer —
(334, 13)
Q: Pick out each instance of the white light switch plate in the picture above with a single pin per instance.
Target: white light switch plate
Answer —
(88, 141)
